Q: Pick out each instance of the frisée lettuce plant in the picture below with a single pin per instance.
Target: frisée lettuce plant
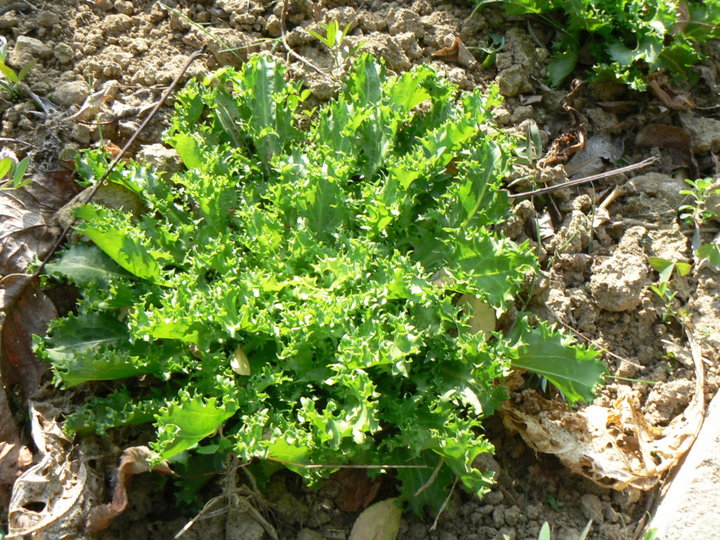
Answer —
(292, 296)
(627, 39)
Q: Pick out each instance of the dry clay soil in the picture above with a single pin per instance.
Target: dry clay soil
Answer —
(595, 271)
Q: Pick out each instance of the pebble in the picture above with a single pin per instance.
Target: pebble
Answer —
(26, 50)
(514, 81)
(592, 507)
(160, 158)
(64, 53)
(47, 19)
(70, 93)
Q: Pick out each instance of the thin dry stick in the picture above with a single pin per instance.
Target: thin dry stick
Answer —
(117, 159)
(444, 505)
(295, 55)
(335, 466)
(432, 478)
(541, 191)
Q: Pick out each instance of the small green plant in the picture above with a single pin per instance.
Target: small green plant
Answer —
(672, 310)
(12, 173)
(545, 534)
(291, 298)
(665, 268)
(696, 213)
(628, 39)
(12, 80)
(334, 40)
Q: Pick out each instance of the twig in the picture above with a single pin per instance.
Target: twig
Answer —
(16, 6)
(541, 191)
(335, 466)
(295, 55)
(16, 141)
(432, 478)
(117, 159)
(444, 505)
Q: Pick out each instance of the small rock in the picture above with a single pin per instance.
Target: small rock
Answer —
(70, 93)
(26, 50)
(592, 507)
(243, 526)
(494, 498)
(705, 132)
(272, 27)
(160, 158)
(117, 25)
(81, 133)
(514, 81)
(124, 7)
(666, 400)
(486, 510)
(309, 534)
(512, 515)
(405, 20)
(230, 47)
(499, 516)
(9, 20)
(64, 53)
(618, 282)
(47, 19)
(573, 236)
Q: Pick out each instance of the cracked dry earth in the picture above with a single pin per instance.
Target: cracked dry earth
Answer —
(594, 250)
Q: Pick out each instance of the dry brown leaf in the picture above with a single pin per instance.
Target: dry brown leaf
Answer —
(27, 311)
(14, 457)
(677, 140)
(355, 489)
(563, 147)
(27, 232)
(134, 460)
(50, 499)
(381, 521)
(457, 53)
(678, 101)
(615, 447)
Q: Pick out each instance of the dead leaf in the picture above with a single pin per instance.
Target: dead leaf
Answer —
(27, 232)
(93, 103)
(457, 53)
(598, 152)
(677, 140)
(381, 521)
(14, 456)
(482, 315)
(51, 499)
(134, 460)
(355, 489)
(618, 107)
(678, 101)
(684, 18)
(616, 446)
(563, 147)
(27, 311)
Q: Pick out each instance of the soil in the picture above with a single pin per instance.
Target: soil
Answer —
(595, 273)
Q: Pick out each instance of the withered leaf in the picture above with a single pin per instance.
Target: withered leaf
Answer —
(563, 147)
(457, 53)
(14, 456)
(355, 489)
(134, 460)
(27, 311)
(672, 99)
(677, 140)
(26, 213)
